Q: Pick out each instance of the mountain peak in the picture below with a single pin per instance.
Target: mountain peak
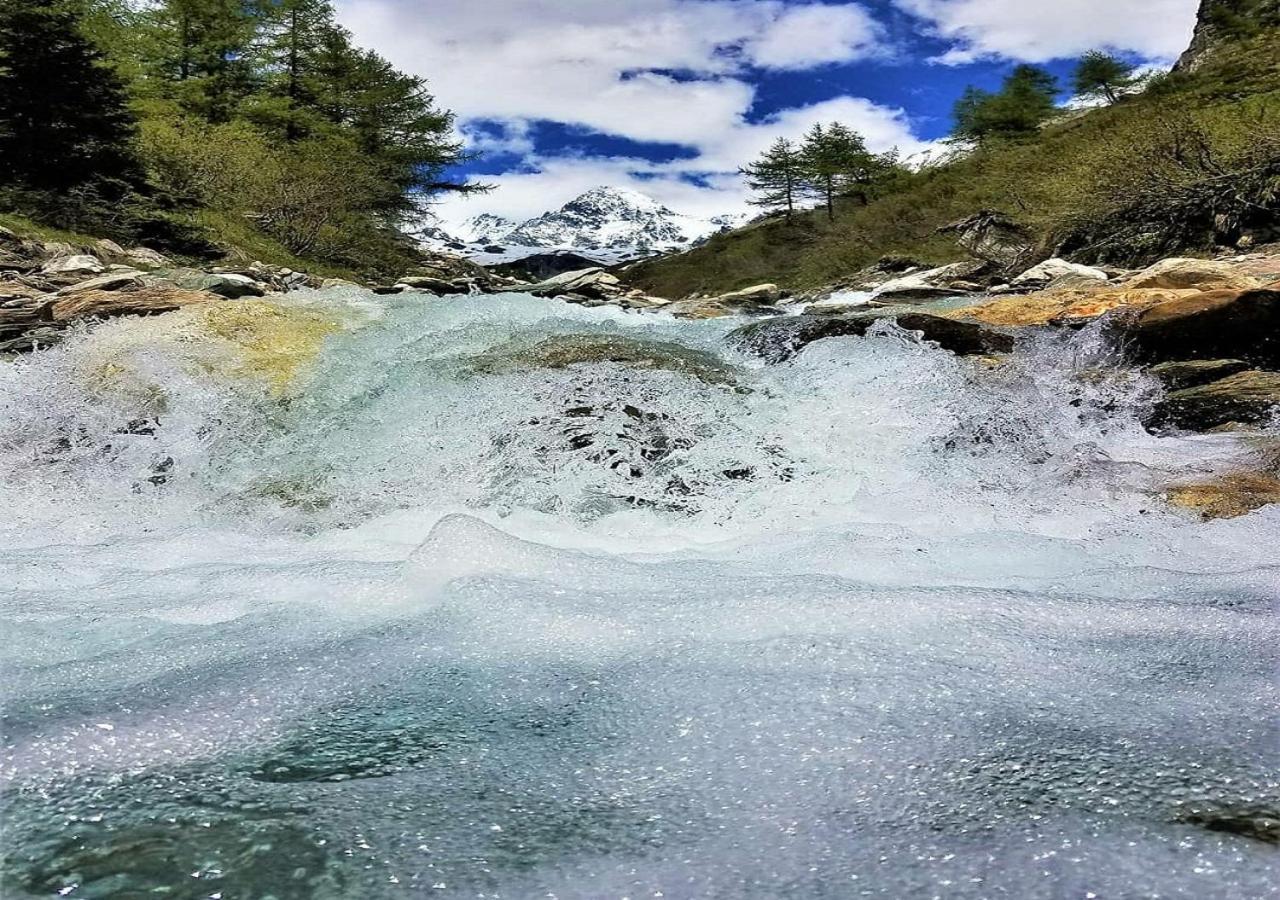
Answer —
(619, 221)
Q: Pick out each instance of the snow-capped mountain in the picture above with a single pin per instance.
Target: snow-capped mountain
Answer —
(609, 223)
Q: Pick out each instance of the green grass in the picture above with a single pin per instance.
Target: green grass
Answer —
(1042, 183)
(27, 228)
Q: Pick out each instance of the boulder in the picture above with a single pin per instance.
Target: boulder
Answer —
(141, 301)
(917, 287)
(1177, 376)
(146, 258)
(995, 237)
(230, 285)
(1250, 397)
(107, 251)
(1054, 269)
(434, 285)
(778, 339)
(1224, 324)
(31, 339)
(1226, 496)
(593, 284)
(112, 281)
(79, 264)
(756, 300)
(1069, 307)
(1203, 274)
(566, 350)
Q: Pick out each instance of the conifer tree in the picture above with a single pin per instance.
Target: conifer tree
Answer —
(1100, 74)
(64, 122)
(777, 177)
(1024, 102)
(837, 163)
(199, 49)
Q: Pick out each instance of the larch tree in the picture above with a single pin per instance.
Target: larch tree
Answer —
(777, 178)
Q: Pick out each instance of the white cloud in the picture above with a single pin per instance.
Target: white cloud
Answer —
(1039, 31)
(658, 71)
(805, 36)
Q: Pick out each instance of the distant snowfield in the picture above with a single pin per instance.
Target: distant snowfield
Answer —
(609, 225)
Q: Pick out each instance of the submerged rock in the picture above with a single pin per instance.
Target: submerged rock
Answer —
(276, 342)
(778, 339)
(563, 351)
(1227, 496)
(1178, 376)
(1249, 397)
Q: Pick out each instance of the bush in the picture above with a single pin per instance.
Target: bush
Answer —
(1186, 180)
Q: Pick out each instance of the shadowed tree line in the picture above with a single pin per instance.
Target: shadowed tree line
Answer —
(185, 119)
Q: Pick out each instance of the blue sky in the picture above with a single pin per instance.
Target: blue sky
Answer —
(671, 96)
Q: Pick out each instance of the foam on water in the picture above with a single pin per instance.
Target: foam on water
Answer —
(504, 598)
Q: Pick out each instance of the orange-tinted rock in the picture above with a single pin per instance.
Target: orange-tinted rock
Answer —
(143, 301)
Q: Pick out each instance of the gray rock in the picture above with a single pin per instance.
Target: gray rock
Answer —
(778, 339)
(1054, 269)
(1251, 397)
(231, 285)
(113, 281)
(73, 265)
(1177, 376)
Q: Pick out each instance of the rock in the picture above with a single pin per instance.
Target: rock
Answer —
(1227, 496)
(113, 281)
(1209, 325)
(995, 237)
(748, 301)
(932, 284)
(434, 285)
(1052, 269)
(1250, 397)
(107, 251)
(541, 266)
(1070, 307)
(331, 283)
(778, 339)
(32, 339)
(230, 285)
(563, 351)
(1204, 274)
(141, 301)
(1177, 376)
(73, 265)
(146, 258)
(277, 342)
(56, 249)
(593, 283)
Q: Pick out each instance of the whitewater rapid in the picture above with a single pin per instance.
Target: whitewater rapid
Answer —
(500, 597)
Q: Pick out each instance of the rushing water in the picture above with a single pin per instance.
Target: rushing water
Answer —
(503, 598)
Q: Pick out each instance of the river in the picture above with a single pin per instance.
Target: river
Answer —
(496, 597)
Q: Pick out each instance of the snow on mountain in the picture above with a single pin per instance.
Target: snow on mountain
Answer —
(485, 228)
(608, 223)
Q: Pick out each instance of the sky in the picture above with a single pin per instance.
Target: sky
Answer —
(670, 97)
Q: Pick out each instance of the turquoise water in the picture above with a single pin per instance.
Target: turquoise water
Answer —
(506, 598)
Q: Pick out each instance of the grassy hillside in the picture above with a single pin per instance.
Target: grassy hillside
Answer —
(1145, 177)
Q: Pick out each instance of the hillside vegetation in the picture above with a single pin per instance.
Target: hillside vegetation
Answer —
(1191, 163)
(214, 127)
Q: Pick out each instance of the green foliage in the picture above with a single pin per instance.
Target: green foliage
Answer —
(142, 118)
(1193, 179)
(64, 121)
(1018, 110)
(777, 178)
(1103, 76)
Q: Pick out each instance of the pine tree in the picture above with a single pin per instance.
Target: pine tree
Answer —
(290, 34)
(64, 122)
(1100, 74)
(199, 50)
(1025, 101)
(777, 177)
(837, 163)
